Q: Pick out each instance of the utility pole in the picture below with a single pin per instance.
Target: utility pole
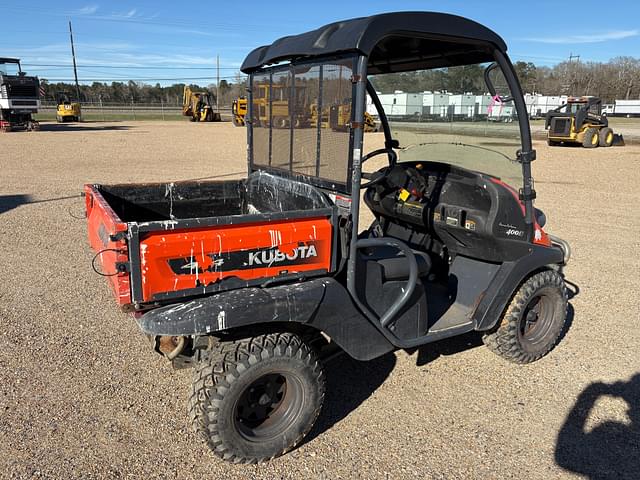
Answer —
(218, 83)
(75, 70)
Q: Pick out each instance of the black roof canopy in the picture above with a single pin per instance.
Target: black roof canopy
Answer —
(394, 42)
(9, 60)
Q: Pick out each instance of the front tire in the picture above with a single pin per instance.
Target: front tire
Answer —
(591, 138)
(533, 321)
(606, 137)
(255, 399)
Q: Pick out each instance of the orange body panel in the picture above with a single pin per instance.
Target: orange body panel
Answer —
(102, 224)
(174, 260)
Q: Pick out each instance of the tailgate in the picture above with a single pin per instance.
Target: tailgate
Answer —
(107, 237)
(196, 261)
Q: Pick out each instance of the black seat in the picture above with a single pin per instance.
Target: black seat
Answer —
(394, 264)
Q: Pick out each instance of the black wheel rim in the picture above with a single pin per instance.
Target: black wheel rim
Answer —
(268, 406)
(537, 320)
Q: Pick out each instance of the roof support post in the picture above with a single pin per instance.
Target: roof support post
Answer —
(356, 171)
(527, 154)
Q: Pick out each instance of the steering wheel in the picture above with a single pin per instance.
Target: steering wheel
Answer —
(377, 177)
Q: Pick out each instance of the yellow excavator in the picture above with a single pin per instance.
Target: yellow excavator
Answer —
(198, 106)
(66, 110)
(239, 109)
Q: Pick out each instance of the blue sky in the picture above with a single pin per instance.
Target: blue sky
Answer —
(178, 41)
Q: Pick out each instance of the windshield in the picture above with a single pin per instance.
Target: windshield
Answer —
(9, 68)
(447, 115)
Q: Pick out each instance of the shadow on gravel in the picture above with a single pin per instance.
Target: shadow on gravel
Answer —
(450, 346)
(612, 448)
(78, 127)
(9, 202)
(349, 383)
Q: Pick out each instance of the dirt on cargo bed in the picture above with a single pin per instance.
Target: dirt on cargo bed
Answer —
(82, 395)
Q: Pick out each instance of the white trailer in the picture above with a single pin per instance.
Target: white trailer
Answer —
(401, 104)
(371, 108)
(483, 102)
(462, 105)
(435, 104)
(627, 108)
(541, 104)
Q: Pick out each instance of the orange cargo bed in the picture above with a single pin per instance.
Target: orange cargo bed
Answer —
(161, 242)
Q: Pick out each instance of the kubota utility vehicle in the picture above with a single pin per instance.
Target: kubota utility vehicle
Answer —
(255, 282)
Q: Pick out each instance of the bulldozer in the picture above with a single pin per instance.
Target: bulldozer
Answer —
(198, 106)
(580, 121)
(239, 109)
(66, 110)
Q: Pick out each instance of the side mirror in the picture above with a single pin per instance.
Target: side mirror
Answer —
(393, 143)
(493, 70)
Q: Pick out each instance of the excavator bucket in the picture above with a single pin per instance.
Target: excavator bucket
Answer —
(618, 140)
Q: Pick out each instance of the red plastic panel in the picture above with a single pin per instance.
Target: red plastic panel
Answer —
(102, 223)
(187, 259)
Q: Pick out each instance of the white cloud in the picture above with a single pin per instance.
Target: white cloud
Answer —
(88, 10)
(593, 38)
(130, 14)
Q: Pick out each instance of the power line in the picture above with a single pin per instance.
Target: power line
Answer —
(139, 67)
(136, 79)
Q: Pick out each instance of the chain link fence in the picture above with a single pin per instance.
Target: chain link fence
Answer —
(108, 111)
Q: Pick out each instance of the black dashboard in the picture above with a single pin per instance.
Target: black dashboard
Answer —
(438, 206)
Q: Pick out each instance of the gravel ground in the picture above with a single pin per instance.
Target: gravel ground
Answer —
(83, 396)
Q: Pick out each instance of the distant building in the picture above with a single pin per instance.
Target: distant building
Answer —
(435, 105)
(401, 104)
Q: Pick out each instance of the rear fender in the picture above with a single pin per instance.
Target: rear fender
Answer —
(323, 304)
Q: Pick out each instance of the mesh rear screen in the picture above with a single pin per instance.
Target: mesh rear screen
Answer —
(301, 120)
(305, 133)
(260, 118)
(280, 119)
(336, 114)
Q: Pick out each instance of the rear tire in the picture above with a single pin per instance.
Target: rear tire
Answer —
(533, 321)
(255, 399)
(591, 138)
(606, 137)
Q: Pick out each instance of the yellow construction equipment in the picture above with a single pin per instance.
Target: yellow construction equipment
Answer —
(239, 109)
(580, 121)
(198, 106)
(271, 104)
(338, 117)
(67, 111)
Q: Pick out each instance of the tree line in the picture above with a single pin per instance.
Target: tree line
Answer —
(619, 78)
(139, 92)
